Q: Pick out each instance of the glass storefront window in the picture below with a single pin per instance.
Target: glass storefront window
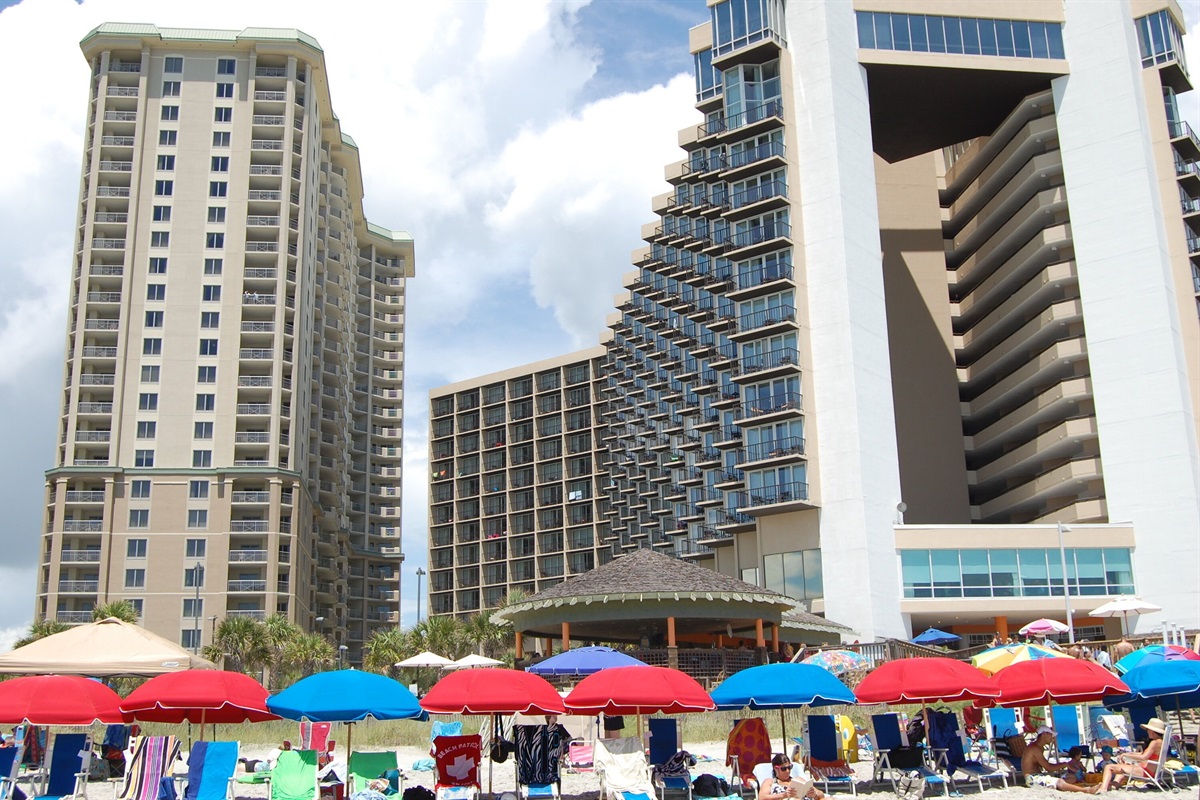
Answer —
(1025, 572)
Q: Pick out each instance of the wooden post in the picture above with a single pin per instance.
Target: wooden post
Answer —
(520, 653)
(759, 639)
(775, 637)
(670, 631)
(1002, 626)
(566, 636)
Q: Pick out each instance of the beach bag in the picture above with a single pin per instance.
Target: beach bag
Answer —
(910, 785)
(905, 758)
(417, 793)
(710, 786)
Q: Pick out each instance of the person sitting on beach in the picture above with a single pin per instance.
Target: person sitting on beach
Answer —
(1143, 764)
(267, 764)
(784, 777)
(1037, 769)
(1074, 776)
(1106, 758)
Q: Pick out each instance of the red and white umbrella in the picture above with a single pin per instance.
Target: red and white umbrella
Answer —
(1054, 680)
(1044, 626)
(200, 696)
(58, 700)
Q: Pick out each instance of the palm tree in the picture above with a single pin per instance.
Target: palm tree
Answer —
(242, 642)
(40, 629)
(306, 653)
(484, 634)
(280, 632)
(121, 609)
(442, 635)
(385, 647)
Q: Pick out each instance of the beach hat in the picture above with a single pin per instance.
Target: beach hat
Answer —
(1156, 725)
(1107, 750)
(1045, 729)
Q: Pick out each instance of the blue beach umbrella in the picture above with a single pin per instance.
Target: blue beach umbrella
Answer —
(781, 686)
(584, 661)
(933, 637)
(346, 695)
(1171, 684)
(1155, 654)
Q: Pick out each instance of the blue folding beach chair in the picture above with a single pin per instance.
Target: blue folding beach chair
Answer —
(68, 755)
(824, 760)
(949, 747)
(664, 744)
(1068, 730)
(894, 755)
(210, 771)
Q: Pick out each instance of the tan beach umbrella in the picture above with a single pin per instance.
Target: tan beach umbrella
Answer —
(101, 649)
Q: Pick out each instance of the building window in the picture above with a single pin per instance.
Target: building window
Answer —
(162, 214)
(156, 291)
(196, 548)
(143, 458)
(170, 114)
(222, 114)
(160, 238)
(211, 293)
(154, 319)
(201, 459)
(214, 241)
(212, 266)
(146, 429)
(198, 490)
(220, 163)
(139, 489)
(193, 576)
(206, 402)
(224, 90)
(165, 163)
(193, 608)
(197, 518)
(164, 188)
(202, 430)
(136, 548)
(137, 603)
(158, 264)
(171, 88)
(210, 319)
(190, 639)
(208, 347)
(206, 374)
(148, 401)
(1024, 572)
(226, 66)
(135, 579)
(216, 214)
(796, 574)
(220, 139)
(139, 518)
(151, 346)
(150, 373)
(173, 64)
(167, 138)
(218, 188)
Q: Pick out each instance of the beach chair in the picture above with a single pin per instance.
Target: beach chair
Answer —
(894, 755)
(748, 745)
(153, 758)
(1159, 778)
(580, 756)
(68, 755)
(294, 776)
(948, 743)
(210, 771)
(824, 759)
(1002, 731)
(365, 767)
(1068, 729)
(623, 770)
(456, 761)
(539, 751)
(668, 761)
(10, 768)
(315, 736)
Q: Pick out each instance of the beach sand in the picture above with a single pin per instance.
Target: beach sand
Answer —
(585, 785)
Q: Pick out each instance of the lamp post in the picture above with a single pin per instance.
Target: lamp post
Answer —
(1062, 554)
(342, 655)
(196, 608)
(420, 574)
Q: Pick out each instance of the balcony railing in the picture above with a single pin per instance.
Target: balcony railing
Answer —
(243, 556)
(782, 493)
(766, 317)
(97, 379)
(784, 401)
(120, 116)
(79, 556)
(753, 155)
(93, 436)
(73, 617)
(116, 166)
(104, 297)
(93, 351)
(247, 586)
(92, 496)
(767, 110)
(254, 408)
(783, 356)
(108, 244)
(78, 586)
(112, 191)
(764, 233)
(748, 279)
(101, 324)
(777, 448)
(758, 193)
(251, 613)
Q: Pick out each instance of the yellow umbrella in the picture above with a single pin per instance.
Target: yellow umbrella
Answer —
(995, 659)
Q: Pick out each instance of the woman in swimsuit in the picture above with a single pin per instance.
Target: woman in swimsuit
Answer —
(779, 784)
(1143, 764)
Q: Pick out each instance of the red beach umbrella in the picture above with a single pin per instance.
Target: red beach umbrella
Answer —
(58, 700)
(638, 690)
(1058, 680)
(199, 696)
(492, 691)
(924, 680)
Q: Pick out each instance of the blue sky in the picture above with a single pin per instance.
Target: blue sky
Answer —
(499, 134)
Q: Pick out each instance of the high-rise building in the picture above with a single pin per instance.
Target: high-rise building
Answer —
(916, 330)
(231, 413)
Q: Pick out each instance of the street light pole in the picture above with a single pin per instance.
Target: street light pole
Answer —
(196, 609)
(1062, 554)
(420, 574)
(342, 655)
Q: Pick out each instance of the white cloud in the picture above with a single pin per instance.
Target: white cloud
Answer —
(8, 636)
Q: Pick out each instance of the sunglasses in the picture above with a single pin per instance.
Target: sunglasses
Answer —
(784, 767)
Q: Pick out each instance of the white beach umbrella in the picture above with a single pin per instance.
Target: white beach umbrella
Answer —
(466, 662)
(426, 659)
(1124, 606)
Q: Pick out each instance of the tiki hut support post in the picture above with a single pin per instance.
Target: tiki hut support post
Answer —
(520, 651)
(566, 636)
(759, 640)
(670, 631)
(775, 636)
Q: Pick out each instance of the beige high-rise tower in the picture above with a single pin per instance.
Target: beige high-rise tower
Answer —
(230, 437)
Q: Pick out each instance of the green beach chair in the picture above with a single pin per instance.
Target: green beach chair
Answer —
(365, 767)
(295, 776)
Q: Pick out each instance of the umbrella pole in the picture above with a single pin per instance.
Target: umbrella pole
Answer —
(492, 744)
(349, 733)
(783, 729)
(1182, 749)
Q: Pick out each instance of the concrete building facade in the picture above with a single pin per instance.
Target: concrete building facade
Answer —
(916, 330)
(231, 415)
